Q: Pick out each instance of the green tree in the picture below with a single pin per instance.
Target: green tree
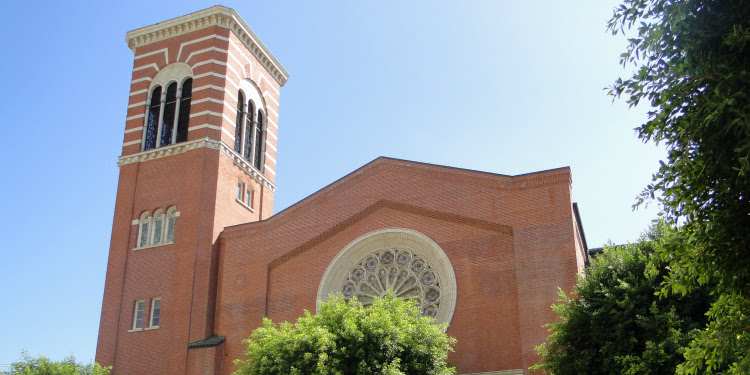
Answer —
(615, 324)
(42, 365)
(693, 66)
(345, 338)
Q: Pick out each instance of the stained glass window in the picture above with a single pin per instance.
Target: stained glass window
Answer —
(238, 122)
(249, 132)
(184, 117)
(167, 124)
(153, 119)
(259, 141)
(158, 225)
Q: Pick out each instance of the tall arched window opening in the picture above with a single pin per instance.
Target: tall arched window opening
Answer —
(171, 214)
(247, 152)
(143, 231)
(260, 141)
(238, 123)
(152, 122)
(167, 124)
(184, 117)
(158, 227)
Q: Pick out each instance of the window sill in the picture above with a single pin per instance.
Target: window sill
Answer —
(136, 330)
(150, 328)
(243, 204)
(152, 246)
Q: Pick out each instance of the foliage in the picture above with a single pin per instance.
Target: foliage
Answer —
(693, 64)
(345, 338)
(42, 365)
(616, 324)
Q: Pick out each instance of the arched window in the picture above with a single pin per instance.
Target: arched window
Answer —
(238, 122)
(247, 152)
(167, 125)
(152, 122)
(260, 141)
(168, 111)
(143, 230)
(184, 117)
(171, 215)
(158, 227)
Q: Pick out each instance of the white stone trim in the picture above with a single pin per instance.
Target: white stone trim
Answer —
(179, 53)
(215, 16)
(273, 123)
(144, 79)
(210, 113)
(206, 142)
(274, 111)
(272, 135)
(138, 92)
(498, 372)
(210, 74)
(212, 61)
(152, 65)
(212, 100)
(268, 156)
(272, 147)
(227, 119)
(174, 72)
(131, 143)
(267, 94)
(229, 94)
(270, 85)
(163, 50)
(269, 169)
(209, 49)
(416, 242)
(135, 117)
(133, 130)
(141, 104)
(204, 126)
(208, 87)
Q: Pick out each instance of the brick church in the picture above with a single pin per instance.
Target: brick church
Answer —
(198, 256)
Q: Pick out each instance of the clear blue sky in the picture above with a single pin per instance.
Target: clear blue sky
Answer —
(497, 86)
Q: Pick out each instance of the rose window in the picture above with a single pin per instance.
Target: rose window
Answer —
(399, 270)
(405, 261)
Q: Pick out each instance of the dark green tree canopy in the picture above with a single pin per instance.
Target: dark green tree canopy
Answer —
(617, 325)
(345, 338)
(693, 65)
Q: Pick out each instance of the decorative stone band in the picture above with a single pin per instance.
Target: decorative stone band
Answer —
(214, 16)
(206, 142)
(402, 260)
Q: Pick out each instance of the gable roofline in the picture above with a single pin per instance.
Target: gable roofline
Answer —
(217, 15)
(384, 160)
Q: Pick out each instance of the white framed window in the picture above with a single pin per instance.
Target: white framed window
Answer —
(155, 313)
(140, 306)
(144, 228)
(240, 189)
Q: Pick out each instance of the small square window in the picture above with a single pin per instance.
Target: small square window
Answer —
(140, 306)
(249, 198)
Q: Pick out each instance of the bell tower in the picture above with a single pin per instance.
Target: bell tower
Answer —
(198, 155)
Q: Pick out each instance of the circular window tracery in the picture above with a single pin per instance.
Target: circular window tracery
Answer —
(409, 276)
(402, 260)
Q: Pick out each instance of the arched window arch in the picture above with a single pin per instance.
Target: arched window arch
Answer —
(238, 122)
(168, 111)
(158, 232)
(171, 215)
(152, 120)
(260, 141)
(144, 229)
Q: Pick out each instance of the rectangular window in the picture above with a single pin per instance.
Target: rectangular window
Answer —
(155, 312)
(249, 197)
(140, 305)
(240, 187)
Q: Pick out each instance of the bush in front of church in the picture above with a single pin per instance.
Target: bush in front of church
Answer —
(390, 337)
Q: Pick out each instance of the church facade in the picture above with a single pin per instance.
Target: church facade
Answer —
(198, 258)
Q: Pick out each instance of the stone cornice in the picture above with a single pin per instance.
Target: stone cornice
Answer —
(211, 143)
(214, 16)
